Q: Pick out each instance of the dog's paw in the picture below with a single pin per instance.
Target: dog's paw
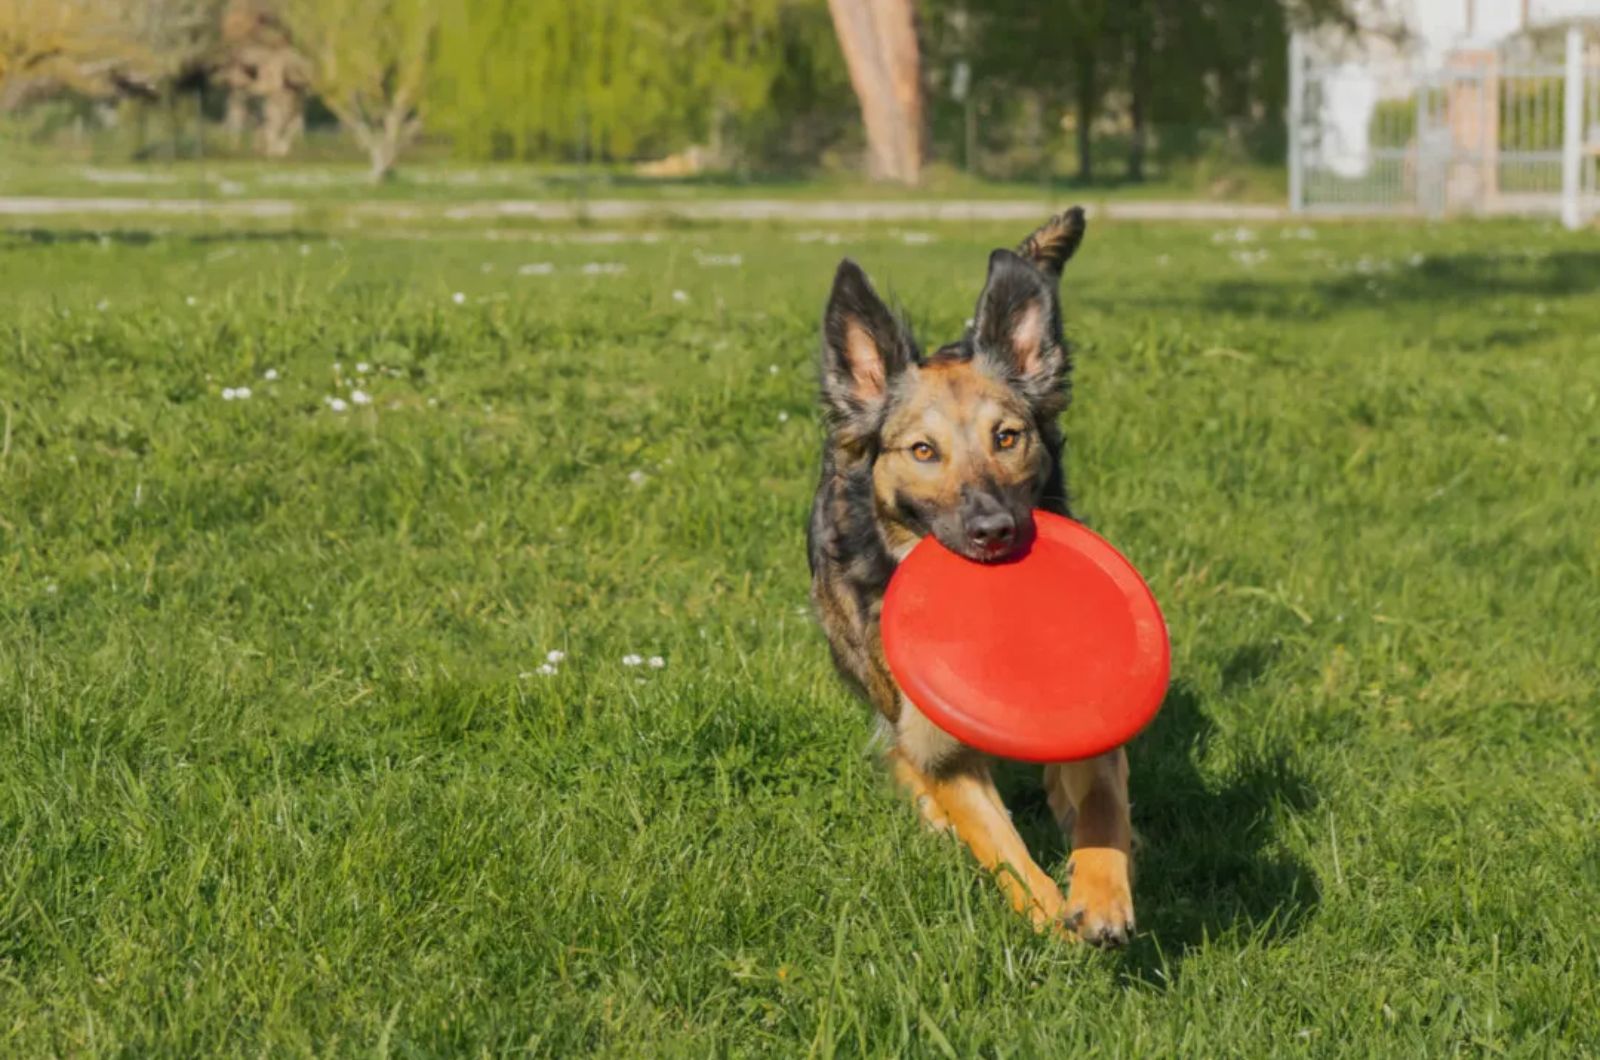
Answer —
(1100, 899)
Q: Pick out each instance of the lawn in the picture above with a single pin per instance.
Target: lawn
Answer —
(331, 172)
(283, 769)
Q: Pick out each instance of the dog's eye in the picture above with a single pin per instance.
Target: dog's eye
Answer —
(1006, 438)
(924, 452)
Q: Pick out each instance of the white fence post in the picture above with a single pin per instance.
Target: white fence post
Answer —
(1572, 132)
(1297, 90)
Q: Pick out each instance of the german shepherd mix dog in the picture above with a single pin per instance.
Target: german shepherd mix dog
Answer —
(962, 444)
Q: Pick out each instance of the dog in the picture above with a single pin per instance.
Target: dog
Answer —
(962, 444)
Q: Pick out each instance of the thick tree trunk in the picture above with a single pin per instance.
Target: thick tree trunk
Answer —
(282, 120)
(1088, 88)
(1136, 26)
(879, 42)
(1137, 105)
(381, 155)
(381, 138)
(237, 118)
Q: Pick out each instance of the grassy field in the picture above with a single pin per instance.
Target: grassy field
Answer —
(336, 174)
(281, 771)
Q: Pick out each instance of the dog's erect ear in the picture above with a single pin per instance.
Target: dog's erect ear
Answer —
(1017, 328)
(863, 348)
(1053, 243)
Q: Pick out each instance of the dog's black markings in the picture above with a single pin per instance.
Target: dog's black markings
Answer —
(850, 558)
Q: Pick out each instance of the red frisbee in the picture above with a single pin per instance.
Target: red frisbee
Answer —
(1056, 655)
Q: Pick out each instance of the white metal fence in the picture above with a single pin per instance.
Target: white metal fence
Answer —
(1482, 132)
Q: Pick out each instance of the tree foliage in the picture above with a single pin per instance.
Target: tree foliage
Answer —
(370, 61)
(82, 46)
(1004, 86)
(1183, 68)
(618, 78)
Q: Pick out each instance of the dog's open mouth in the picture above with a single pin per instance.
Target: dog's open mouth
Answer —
(995, 557)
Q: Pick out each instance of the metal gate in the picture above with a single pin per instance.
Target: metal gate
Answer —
(1480, 132)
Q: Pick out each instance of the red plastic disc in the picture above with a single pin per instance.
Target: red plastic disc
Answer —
(1056, 655)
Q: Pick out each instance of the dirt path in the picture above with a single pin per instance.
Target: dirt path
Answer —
(819, 211)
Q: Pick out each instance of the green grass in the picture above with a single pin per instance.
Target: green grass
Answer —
(278, 774)
(334, 173)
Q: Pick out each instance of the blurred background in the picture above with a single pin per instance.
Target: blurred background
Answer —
(671, 88)
(1169, 97)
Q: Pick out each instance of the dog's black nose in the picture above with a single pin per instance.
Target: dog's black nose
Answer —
(992, 532)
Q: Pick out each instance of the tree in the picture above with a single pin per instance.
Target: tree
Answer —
(1167, 74)
(879, 42)
(257, 60)
(178, 36)
(599, 78)
(1136, 27)
(369, 64)
(624, 79)
(84, 46)
(1087, 23)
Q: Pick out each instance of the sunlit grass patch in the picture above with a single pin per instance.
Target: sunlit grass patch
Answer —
(453, 686)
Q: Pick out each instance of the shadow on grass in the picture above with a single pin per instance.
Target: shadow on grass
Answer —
(1208, 864)
(1443, 280)
(139, 237)
(1207, 867)
(806, 180)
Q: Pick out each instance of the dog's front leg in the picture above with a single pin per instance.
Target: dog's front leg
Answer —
(966, 801)
(978, 816)
(1090, 801)
(917, 785)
